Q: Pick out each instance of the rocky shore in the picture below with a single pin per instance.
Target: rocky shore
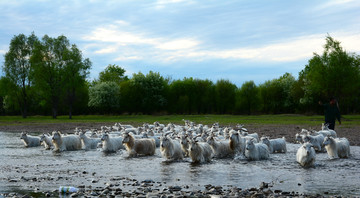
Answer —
(126, 187)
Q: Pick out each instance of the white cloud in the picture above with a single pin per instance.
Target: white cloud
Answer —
(177, 44)
(335, 3)
(106, 50)
(118, 37)
(134, 46)
(160, 4)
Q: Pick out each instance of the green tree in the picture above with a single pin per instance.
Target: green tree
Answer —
(17, 68)
(225, 93)
(8, 96)
(334, 73)
(58, 68)
(75, 72)
(113, 73)
(275, 95)
(248, 97)
(104, 97)
(149, 91)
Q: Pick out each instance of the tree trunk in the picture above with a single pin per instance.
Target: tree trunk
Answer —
(70, 111)
(54, 108)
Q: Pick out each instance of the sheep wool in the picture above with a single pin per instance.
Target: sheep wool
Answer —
(170, 149)
(30, 141)
(256, 151)
(305, 155)
(221, 149)
(142, 146)
(111, 144)
(66, 143)
(45, 139)
(200, 152)
(337, 147)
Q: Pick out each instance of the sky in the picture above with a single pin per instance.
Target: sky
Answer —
(235, 40)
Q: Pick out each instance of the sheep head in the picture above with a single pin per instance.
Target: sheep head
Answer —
(250, 144)
(105, 136)
(23, 135)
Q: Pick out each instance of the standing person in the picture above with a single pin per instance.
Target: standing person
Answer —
(332, 113)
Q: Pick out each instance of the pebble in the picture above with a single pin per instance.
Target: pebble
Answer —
(149, 188)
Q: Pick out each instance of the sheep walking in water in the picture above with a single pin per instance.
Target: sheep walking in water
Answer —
(299, 138)
(337, 147)
(200, 152)
(184, 141)
(66, 143)
(30, 141)
(45, 139)
(111, 144)
(142, 146)
(315, 140)
(237, 143)
(275, 145)
(221, 149)
(87, 142)
(305, 155)
(256, 151)
(170, 149)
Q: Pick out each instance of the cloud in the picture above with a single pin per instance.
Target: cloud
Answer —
(177, 44)
(106, 50)
(112, 39)
(115, 36)
(161, 4)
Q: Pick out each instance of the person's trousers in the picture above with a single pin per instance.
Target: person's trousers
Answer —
(331, 125)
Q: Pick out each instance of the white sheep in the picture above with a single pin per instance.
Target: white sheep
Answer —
(275, 145)
(65, 143)
(327, 132)
(325, 129)
(305, 155)
(87, 142)
(315, 140)
(155, 137)
(45, 139)
(299, 138)
(184, 141)
(143, 146)
(221, 149)
(111, 144)
(29, 140)
(200, 152)
(248, 136)
(256, 151)
(237, 143)
(170, 148)
(337, 147)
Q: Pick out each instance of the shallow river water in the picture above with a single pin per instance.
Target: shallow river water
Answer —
(35, 169)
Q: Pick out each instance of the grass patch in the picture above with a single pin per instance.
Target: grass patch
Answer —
(348, 120)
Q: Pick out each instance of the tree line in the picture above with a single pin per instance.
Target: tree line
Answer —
(49, 76)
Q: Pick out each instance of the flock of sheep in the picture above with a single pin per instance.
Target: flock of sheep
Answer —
(199, 142)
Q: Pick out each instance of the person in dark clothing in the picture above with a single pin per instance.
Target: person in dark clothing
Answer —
(331, 113)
